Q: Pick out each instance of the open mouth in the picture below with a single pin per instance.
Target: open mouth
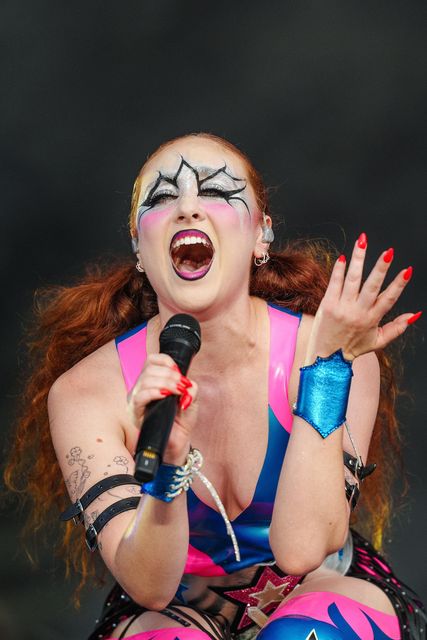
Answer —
(192, 254)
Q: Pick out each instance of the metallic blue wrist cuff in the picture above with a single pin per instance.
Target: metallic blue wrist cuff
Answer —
(323, 392)
(163, 485)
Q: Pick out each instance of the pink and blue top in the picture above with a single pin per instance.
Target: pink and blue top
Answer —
(210, 551)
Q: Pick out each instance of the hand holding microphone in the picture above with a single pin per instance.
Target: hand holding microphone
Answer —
(155, 396)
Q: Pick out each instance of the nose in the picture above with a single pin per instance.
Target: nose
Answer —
(189, 209)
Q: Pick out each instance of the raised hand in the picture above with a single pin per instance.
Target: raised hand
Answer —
(350, 313)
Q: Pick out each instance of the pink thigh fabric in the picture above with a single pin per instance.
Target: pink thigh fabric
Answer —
(171, 633)
(329, 616)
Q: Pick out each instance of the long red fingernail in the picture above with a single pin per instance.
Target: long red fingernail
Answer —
(415, 317)
(181, 388)
(407, 275)
(341, 258)
(388, 255)
(362, 241)
(165, 392)
(185, 401)
(186, 382)
(176, 368)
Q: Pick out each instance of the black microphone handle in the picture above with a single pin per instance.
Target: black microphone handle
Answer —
(152, 441)
(158, 419)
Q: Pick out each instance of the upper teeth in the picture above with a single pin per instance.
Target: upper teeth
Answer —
(190, 240)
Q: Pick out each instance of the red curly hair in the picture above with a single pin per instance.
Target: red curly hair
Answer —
(72, 322)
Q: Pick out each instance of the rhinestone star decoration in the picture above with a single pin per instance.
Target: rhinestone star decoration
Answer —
(268, 588)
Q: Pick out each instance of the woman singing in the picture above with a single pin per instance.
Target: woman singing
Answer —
(284, 412)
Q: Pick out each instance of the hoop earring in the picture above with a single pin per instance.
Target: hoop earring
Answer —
(139, 267)
(259, 261)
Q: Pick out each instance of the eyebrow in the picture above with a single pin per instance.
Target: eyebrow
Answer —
(207, 172)
(203, 171)
(202, 174)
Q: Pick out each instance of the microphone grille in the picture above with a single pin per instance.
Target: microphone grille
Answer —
(182, 326)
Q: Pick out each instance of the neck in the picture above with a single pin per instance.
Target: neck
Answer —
(228, 334)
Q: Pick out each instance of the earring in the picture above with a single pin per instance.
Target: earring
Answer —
(259, 261)
(267, 232)
(139, 267)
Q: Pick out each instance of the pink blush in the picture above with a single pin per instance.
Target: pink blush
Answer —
(228, 213)
(151, 218)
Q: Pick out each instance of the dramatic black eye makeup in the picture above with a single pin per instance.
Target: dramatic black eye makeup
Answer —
(166, 187)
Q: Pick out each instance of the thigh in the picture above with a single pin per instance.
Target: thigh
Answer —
(334, 608)
(360, 590)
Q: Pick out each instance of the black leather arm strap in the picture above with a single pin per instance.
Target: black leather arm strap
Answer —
(118, 507)
(360, 472)
(75, 510)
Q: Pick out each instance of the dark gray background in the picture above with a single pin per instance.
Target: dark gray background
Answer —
(329, 100)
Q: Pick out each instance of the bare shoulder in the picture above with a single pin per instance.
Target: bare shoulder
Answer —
(89, 400)
(98, 374)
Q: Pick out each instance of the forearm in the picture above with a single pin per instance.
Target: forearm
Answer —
(310, 517)
(311, 514)
(151, 555)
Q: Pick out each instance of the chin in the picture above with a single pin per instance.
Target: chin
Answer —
(199, 298)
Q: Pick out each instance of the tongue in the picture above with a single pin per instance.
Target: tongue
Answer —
(190, 265)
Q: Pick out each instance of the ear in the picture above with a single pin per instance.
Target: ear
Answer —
(260, 246)
(134, 241)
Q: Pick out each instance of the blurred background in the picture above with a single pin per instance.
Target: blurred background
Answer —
(327, 98)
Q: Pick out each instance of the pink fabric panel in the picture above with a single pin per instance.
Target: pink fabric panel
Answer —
(201, 564)
(132, 353)
(283, 335)
(171, 633)
(315, 605)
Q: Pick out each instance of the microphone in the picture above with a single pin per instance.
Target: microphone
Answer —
(180, 339)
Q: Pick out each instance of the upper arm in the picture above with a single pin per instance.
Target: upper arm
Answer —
(363, 404)
(85, 421)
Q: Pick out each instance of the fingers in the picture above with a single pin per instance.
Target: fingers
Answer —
(374, 282)
(353, 279)
(334, 290)
(159, 378)
(391, 294)
(162, 370)
(137, 402)
(395, 328)
(187, 398)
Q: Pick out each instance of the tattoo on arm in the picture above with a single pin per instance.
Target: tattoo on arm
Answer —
(89, 518)
(76, 481)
